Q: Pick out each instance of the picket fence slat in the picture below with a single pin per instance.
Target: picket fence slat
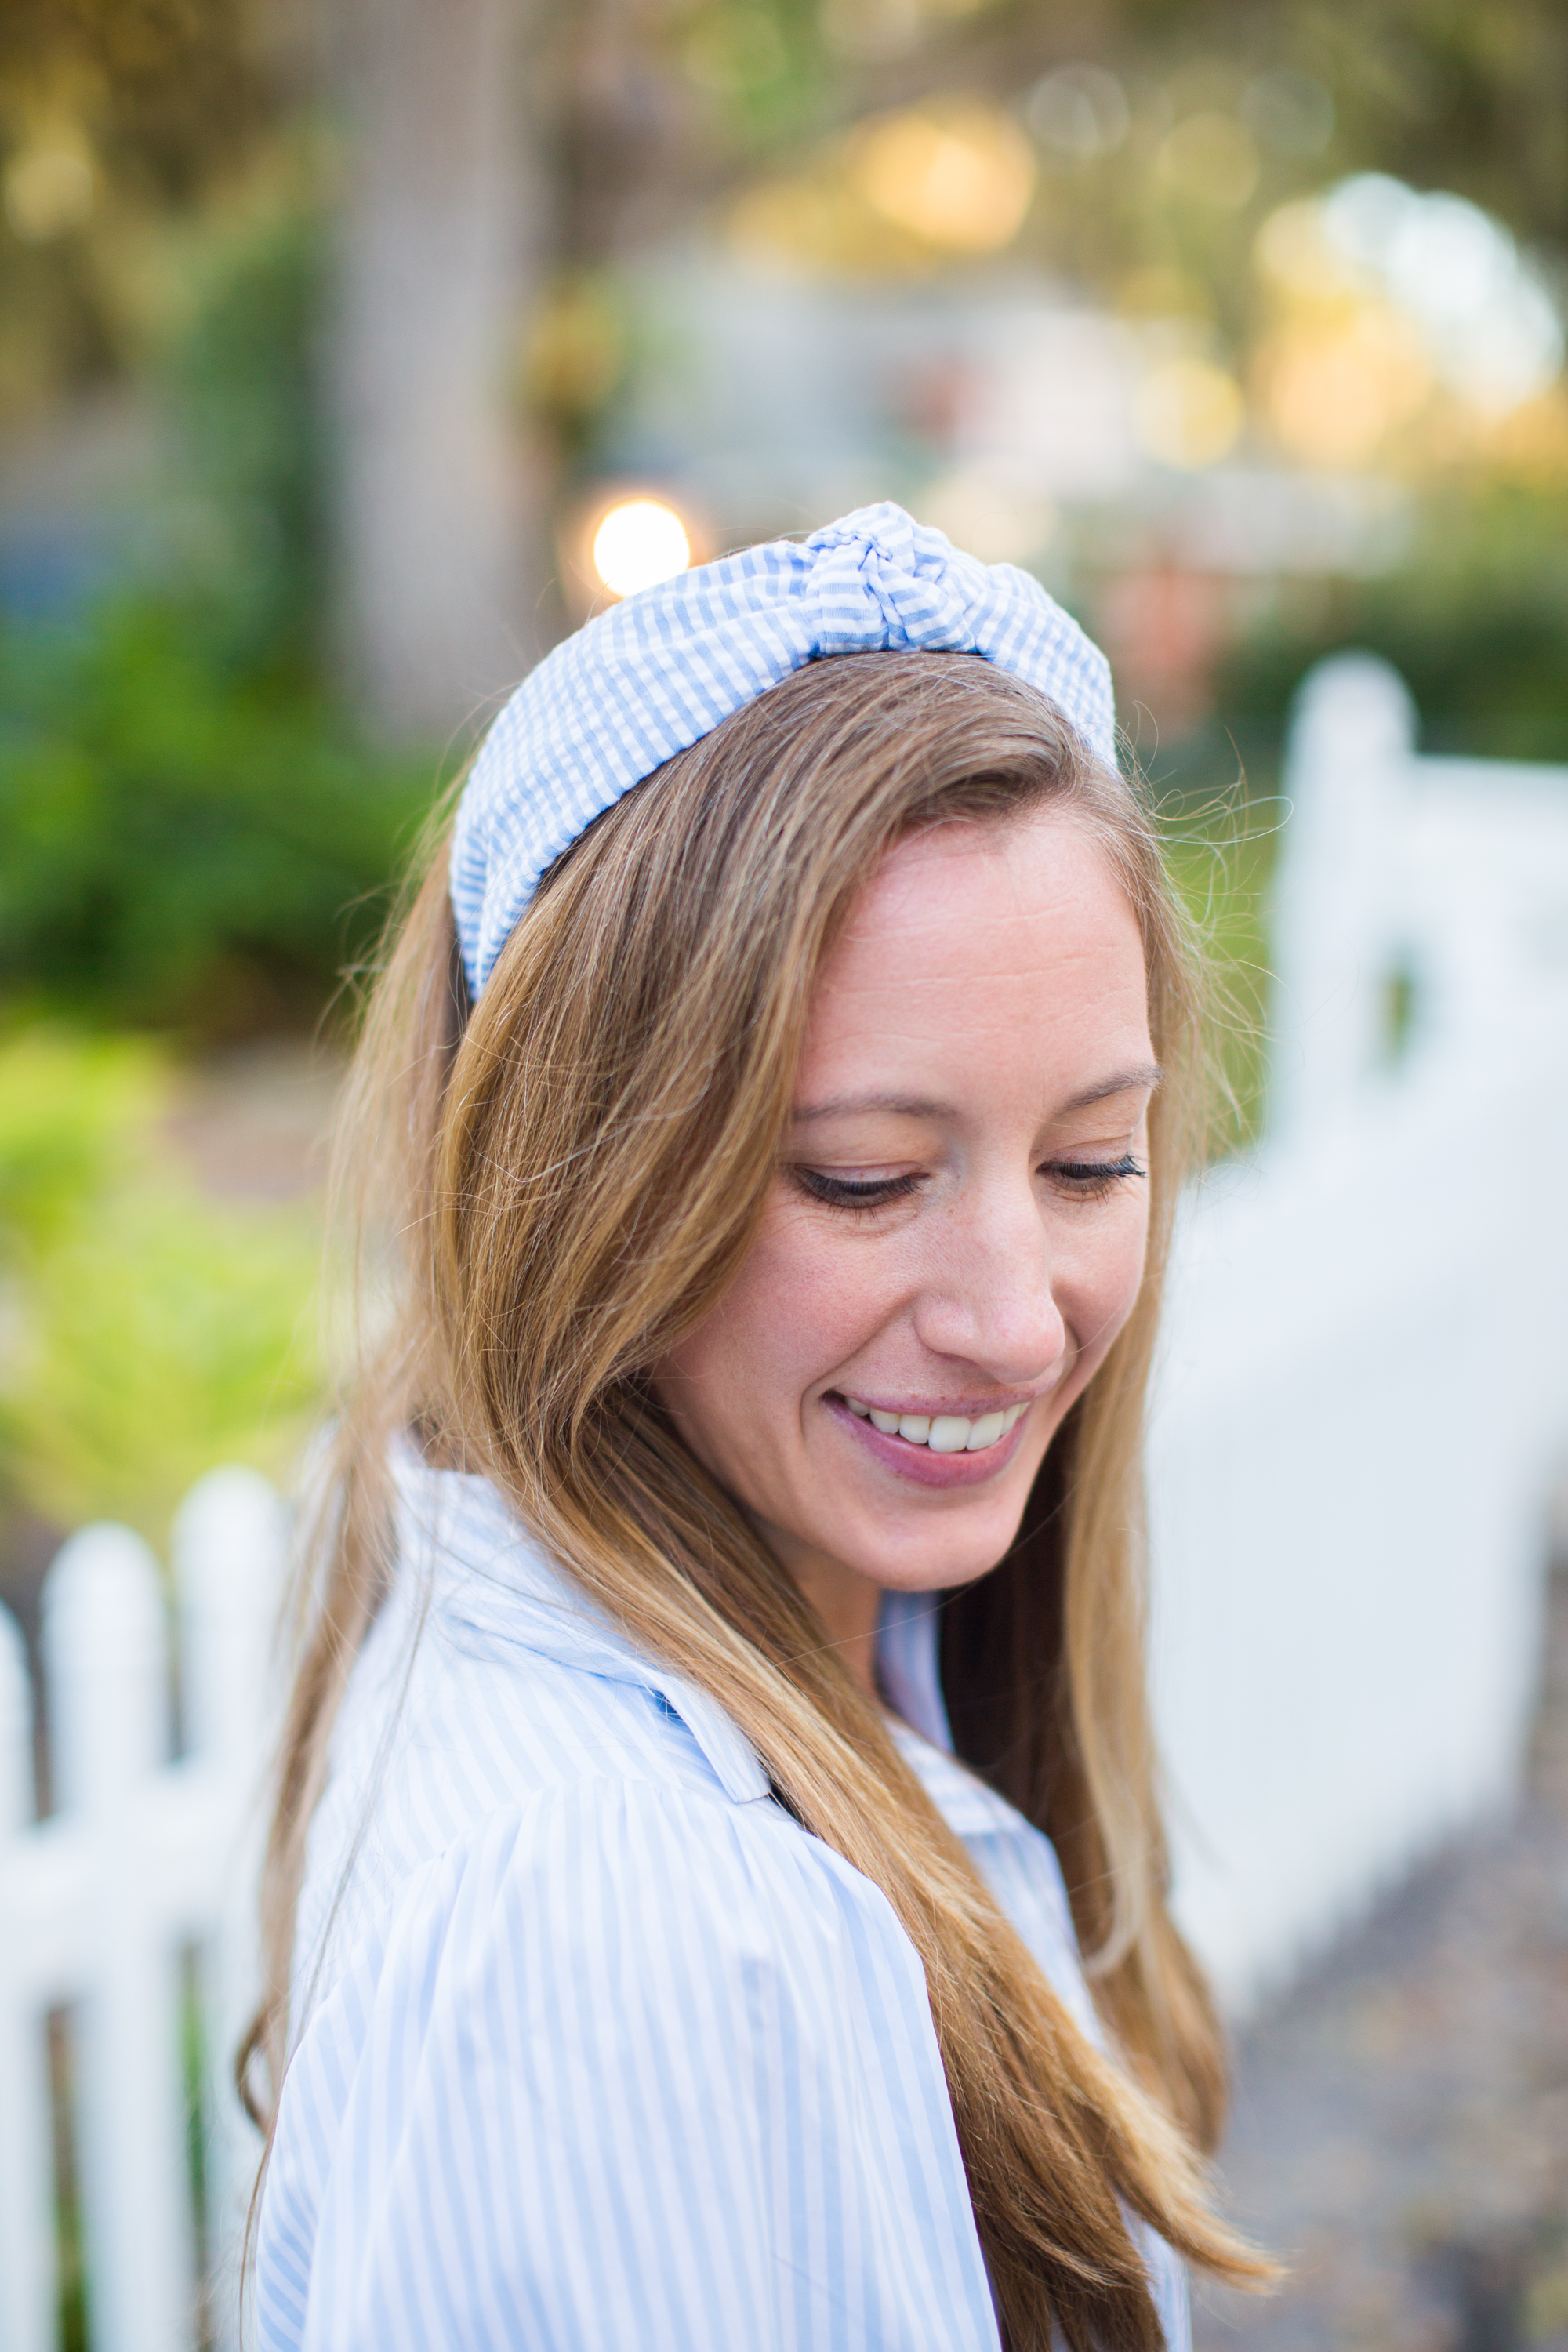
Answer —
(27, 2267)
(143, 1856)
(106, 1659)
(228, 1547)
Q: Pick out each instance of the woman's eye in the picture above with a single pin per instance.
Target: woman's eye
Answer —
(1081, 1179)
(1093, 1178)
(853, 1192)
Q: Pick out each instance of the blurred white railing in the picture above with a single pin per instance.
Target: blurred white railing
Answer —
(1363, 1400)
(142, 1860)
(1363, 1403)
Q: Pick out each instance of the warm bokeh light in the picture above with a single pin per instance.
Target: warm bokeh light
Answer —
(1213, 158)
(1189, 412)
(1333, 392)
(807, 223)
(1441, 274)
(638, 543)
(1491, 323)
(1531, 444)
(961, 178)
(49, 188)
(1295, 257)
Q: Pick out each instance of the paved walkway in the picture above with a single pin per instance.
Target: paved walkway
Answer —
(1400, 2131)
(254, 1123)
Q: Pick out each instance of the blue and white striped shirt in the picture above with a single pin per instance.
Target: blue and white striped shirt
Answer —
(597, 2050)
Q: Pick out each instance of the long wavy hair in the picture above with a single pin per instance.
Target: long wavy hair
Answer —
(559, 1181)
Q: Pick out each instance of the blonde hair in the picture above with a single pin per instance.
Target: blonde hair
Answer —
(573, 1169)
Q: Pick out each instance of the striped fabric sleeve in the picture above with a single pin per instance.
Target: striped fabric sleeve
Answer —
(631, 2067)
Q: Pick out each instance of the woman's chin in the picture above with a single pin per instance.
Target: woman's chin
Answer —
(906, 1553)
(912, 1537)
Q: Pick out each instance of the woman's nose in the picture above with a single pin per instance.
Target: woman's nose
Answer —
(989, 1301)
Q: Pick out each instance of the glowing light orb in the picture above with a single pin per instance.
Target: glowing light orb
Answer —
(638, 542)
(960, 177)
(49, 189)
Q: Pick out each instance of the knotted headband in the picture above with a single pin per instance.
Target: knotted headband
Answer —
(656, 673)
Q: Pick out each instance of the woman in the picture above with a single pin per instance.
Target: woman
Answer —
(729, 1614)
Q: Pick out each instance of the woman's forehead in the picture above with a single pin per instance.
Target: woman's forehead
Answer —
(981, 947)
(972, 902)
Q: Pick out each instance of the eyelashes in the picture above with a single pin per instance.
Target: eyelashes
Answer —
(1091, 1180)
(838, 1193)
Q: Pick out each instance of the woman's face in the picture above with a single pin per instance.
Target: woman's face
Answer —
(956, 1232)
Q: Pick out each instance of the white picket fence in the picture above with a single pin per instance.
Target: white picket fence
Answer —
(141, 1859)
(1363, 1409)
(1362, 1405)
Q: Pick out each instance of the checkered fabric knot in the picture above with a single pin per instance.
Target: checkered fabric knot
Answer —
(660, 670)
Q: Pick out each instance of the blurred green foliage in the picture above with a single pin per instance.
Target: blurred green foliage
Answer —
(1473, 618)
(1220, 854)
(65, 1110)
(237, 386)
(150, 1332)
(183, 843)
(192, 835)
(170, 100)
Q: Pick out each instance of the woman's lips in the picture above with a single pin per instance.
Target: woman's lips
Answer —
(916, 1464)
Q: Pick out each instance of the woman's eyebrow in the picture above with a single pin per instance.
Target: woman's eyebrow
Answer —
(1143, 1079)
(893, 1105)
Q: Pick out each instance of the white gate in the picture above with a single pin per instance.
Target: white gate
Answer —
(1363, 1404)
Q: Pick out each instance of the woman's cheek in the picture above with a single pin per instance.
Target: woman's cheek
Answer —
(796, 1311)
(815, 1294)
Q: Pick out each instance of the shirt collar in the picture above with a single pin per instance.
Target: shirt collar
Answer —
(490, 1575)
(908, 1664)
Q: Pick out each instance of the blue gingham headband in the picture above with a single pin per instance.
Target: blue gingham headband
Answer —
(656, 673)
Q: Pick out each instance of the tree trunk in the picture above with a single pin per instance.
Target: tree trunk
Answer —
(439, 565)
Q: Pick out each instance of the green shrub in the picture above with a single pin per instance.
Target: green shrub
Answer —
(67, 1108)
(182, 844)
(149, 1333)
(159, 1336)
(192, 834)
(1475, 619)
(237, 386)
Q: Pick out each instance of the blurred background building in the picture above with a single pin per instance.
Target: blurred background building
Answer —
(351, 353)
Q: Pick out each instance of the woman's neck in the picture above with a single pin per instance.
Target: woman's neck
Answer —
(847, 1602)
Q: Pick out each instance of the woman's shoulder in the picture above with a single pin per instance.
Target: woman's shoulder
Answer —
(592, 1875)
(488, 1685)
(620, 1986)
(575, 1938)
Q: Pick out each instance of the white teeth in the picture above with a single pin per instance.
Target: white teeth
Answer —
(942, 1433)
